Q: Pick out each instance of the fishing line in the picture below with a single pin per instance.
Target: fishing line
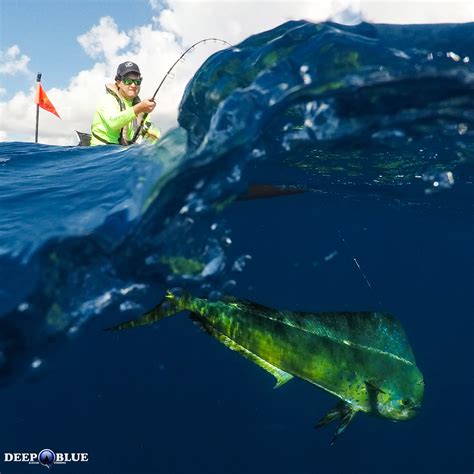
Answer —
(364, 276)
(180, 59)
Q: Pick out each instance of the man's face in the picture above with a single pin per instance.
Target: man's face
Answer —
(127, 88)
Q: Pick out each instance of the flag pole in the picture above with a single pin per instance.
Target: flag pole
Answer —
(38, 80)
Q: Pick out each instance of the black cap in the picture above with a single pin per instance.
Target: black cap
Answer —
(125, 68)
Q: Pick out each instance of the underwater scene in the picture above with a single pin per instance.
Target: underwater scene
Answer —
(313, 213)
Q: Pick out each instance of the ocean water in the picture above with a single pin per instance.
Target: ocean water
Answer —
(368, 130)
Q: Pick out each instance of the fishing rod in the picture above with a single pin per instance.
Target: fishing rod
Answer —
(145, 115)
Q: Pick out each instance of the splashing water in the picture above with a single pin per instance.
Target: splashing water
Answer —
(364, 112)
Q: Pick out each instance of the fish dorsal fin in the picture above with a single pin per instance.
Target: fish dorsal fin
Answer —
(372, 331)
(255, 307)
(281, 376)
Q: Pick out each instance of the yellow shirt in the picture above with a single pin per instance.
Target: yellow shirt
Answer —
(113, 114)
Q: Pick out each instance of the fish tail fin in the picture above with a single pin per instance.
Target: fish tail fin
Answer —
(342, 411)
(169, 306)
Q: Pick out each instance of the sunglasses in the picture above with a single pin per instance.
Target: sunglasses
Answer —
(128, 82)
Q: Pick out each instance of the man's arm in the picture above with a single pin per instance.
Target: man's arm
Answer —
(112, 117)
(116, 119)
(149, 132)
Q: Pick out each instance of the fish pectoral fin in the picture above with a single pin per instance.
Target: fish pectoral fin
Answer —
(344, 412)
(168, 307)
(373, 391)
(281, 376)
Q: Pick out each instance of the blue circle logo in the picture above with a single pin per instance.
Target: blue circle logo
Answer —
(47, 458)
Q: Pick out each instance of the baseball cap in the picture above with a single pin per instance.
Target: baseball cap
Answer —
(126, 67)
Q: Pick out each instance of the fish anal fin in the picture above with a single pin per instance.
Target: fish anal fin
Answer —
(344, 412)
(281, 376)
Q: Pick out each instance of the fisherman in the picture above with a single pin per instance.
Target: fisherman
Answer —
(119, 112)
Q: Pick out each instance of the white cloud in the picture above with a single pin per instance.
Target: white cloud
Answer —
(234, 21)
(176, 25)
(3, 91)
(157, 4)
(103, 39)
(417, 11)
(12, 61)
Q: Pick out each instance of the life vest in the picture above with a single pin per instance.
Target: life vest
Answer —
(104, 132)
(123, 135)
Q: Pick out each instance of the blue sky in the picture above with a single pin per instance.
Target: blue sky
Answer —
(42, 36)
(47, 31)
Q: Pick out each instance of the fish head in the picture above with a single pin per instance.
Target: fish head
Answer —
(401, 400)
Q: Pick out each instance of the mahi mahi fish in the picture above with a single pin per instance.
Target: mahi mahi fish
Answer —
(362, 358)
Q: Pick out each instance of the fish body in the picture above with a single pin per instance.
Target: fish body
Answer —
(363, 358)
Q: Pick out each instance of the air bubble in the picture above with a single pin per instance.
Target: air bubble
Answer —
(215, 295)
(229, 285)
(438, 181)
(453, 56)
(240, 263)
(129, 305)
(23, 307)
(36, 363)
(214, 266)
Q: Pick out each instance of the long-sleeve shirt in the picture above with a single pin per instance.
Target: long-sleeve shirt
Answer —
(109, 120)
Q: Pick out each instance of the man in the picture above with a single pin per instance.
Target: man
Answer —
(119, 112)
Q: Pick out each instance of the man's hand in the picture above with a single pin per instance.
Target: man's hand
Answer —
(145, 106)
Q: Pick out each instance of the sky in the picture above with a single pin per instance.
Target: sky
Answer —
(78, 44)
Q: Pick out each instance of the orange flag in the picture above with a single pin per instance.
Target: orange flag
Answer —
(42, 100)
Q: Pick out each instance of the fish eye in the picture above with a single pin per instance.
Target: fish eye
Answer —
(405, 402)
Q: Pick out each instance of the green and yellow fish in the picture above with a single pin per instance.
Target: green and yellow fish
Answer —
(363, 358)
